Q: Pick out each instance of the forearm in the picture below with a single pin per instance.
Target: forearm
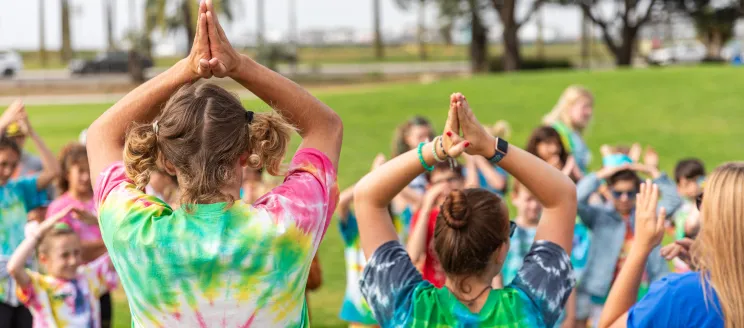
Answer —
(416, 246)
(344, 202)
(295, 104)
(493, 178)
(142, 104)
(586, 187)
(17, 263)
(50, 164)
(624, 291)
(93, 250)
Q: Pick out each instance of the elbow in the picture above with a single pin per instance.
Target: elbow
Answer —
(363, 191)
(13, 269)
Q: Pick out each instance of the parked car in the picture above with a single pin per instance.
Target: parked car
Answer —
(109, 62)
(688, 52)
(11, 63)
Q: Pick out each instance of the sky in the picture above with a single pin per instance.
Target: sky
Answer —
(19, 20)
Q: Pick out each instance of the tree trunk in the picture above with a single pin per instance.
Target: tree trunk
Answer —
(190, 32)
(136, 71)
(478, 44)
(111, 45)
(261, 25)
(585, 41)
(379, 49)
(421, 33)
(540, 40)
(66, 51)
(512, 58)
(624, 53)
(42, 35)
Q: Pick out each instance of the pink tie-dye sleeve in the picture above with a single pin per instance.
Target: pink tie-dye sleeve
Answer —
(308, 195)
(27, 295)
(109, 179)
(101, 275)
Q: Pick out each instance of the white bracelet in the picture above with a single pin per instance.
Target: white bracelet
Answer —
(434, 150)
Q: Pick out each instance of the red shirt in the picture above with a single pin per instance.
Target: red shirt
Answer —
(432, 270)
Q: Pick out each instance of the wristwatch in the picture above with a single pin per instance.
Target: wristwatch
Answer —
(501, 148)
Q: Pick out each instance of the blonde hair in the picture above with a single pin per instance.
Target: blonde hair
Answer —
(500, 129)
(719, 248)
(202, 131)
(561, 110)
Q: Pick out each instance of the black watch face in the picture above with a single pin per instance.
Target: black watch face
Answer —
(502, 146)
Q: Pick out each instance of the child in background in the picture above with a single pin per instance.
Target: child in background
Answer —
(442, 180)
(17, 197)
(690, 176)
(528, 216)
(67, 295)
(570, 117)
(613, 225)
(77, 195)
(490, 177)
(407, 136)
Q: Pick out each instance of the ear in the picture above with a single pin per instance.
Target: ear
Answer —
(43, 258)
(244, 159)
(169, 168)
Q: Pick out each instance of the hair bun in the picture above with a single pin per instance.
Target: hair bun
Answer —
(455, 210)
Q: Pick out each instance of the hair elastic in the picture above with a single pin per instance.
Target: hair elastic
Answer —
(249, 117)
(155, 127)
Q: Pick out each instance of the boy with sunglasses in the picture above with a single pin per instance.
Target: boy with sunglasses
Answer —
(612, 227)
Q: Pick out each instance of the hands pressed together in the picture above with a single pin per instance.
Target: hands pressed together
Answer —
(463, 133)
(212, 54)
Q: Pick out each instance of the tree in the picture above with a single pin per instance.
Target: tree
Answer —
(421, 26)
(506, 10)
(66, 50)
(184, 18)
(378, 44)
(472, 11)
(714, 24)
(42, 35)
(109, 8)
(629, 16)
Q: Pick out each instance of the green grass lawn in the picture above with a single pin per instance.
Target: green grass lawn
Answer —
(680, 111)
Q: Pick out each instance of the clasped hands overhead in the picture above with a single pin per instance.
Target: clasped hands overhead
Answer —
(212, 54)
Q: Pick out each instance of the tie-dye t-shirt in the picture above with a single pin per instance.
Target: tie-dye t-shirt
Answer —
(58, 303)
(17, 197)
(519, 245)
(399, 296)
(86, 232)
(217, 265)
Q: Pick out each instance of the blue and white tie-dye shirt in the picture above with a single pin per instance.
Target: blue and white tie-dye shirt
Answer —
(399, 296)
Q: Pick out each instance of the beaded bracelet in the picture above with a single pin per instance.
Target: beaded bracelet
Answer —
(421, 158)
(434, 150)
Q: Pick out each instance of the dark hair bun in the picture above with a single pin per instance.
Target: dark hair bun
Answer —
(455, 210)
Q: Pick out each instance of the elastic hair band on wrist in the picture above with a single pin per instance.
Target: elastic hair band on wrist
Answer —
(421, 158)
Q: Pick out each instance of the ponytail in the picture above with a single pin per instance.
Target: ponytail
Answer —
(140, 154)
(268, 137)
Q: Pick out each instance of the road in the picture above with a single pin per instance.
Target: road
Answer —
(32, 76)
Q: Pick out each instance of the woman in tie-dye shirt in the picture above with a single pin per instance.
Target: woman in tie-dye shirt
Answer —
(471, 239)
(215, 261)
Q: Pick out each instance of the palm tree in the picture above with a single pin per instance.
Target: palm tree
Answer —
(379, 47)
(109, 8)
(42, 35)
(155, 16)
(66, 51)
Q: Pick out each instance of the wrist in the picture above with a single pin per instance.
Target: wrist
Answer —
(641, 248)
(243, 69)
(490, 150)
(185, 72)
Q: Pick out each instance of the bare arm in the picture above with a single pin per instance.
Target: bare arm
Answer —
(17, 263)
(471, 172)
(649, 231)
(105, 141)
(93, 250)
(344, 202)
(493, 178)
(51, 169)
(416, 246)
(319, 126)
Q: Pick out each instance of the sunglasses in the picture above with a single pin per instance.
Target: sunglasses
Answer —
(631, 194)
(699, 201)
(512, 228)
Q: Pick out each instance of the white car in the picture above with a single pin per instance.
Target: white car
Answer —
(11, 63)
(690, 52)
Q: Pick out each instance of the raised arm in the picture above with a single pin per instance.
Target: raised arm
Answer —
(555, 191)
(375, 191)
(50, 166)
(649, 231)
(344, 203)
(319, 126)
(416, 245)
(14, 113)
(493, 178)
(17, 263)
(105, 137)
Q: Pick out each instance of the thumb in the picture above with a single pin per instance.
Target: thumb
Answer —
(458, 148)
(218, 68)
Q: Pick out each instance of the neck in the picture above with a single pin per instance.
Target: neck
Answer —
(80, 196)
(522, 222)
(475, 297)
